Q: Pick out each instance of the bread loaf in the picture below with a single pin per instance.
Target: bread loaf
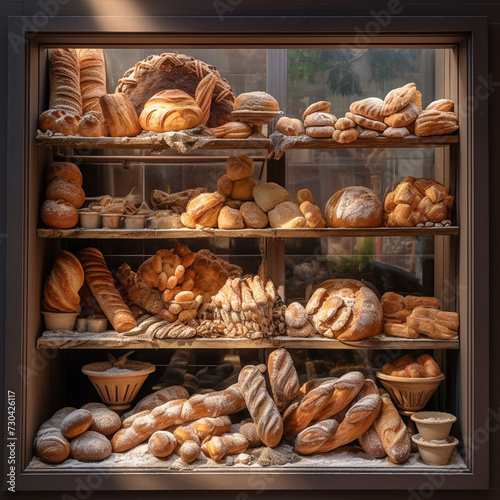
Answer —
(92, 78)
(345, 136)
(239, 167)
(65, 102)
(203, 210)
(170, 110)
(60, 293)
(203, 428)
(65, 170)
(398, 98)
(189, 450)
(162, 444)
(59, 214)
(93, 124)
(290, 126)
(354, 206)
(104, 420)
(261, 406)
(403, 117)
(255, 101)
(232, 130)
(268, 195)
(76, 423)
(120, 116)
(435, 122)
(253, 216)
(371, 108)
(100, 281)
(242, 189)
(320, 119)
(434, 323)
(228, 444)
(286, 215)
(324, 132)
(315, 107)
(230, 218)
(204, 95)
(313, 437)
(63, 189)
(366, 123)
(50, 445)
(283, 378)
(90, 447)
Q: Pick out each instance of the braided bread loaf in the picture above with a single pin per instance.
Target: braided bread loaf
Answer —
(261, 406)
(100, 281)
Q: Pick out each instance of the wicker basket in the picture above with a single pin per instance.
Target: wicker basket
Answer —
(410, 394)
(117, 387)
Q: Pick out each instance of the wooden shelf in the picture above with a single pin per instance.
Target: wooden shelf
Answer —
(244, 233)
(114, 340)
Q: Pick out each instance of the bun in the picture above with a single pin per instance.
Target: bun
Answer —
(162, 444)
(243, 189)
(312, 214)
(93, 124)
(304, 195)
(63, 189)
(239, 167)
(65, 102)
(344, 124)
(354, 206)
(345, 309)
(65, 170)
(345, 136)
(120, 116)
(100, 281)
(170, 110)
(290, 126)
(92, 79)
(59, 214)
(230, 218)
(253, 216)
(90, 447)
(60, 293)
(255, 101)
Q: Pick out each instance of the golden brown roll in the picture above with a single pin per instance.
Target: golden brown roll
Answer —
(230, 218)
(203, 210)
(319, 106)
(120, 115)
(59, 214)
(63, 189)
(354, 206)
(224, 185)
(93, 124)
(344, 124)
(243, 189)
(253, 216)
(63, 169)
(290, 126)
(170, 110)
(345, 136)
(239, 167)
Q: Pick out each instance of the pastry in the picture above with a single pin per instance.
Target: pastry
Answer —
(268, 195)
(170, 110)
(364, 122)
(403, 117)
(120, 116)
(354, 206)
(435, 122)
(290, 126)
(253, 216)
(65, 101)
(261, 406)
(398, 98)
(239, 167)
(371, 108)
(92, 78)
(63, 189)
(283, 377)
(65, 170)
(345, 309)
(315, 107)
(60, 292)
(255, 101)
(100, 281)
(178, 72)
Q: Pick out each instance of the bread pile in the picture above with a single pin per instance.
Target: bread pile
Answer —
(411, 366)
(418, 202)
(64, 195)
(266, 404)
(345, 309)
(411, 316)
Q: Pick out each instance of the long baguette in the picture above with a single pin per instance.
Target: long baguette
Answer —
(100, 281)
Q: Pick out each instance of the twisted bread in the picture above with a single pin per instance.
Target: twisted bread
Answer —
(392, 432)
(50, 445)
(261, 406)
(100, 281)
(61, 287)
(228, 444)
(283, 377)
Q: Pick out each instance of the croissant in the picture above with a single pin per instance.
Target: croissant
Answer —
(170, 110)
(60, 293)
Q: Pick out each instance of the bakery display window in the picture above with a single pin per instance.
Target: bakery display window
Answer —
(291, 266)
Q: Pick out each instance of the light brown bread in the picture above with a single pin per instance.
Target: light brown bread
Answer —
(120, 116)
(92, 78)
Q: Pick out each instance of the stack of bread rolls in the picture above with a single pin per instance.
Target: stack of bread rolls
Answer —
(64, 195)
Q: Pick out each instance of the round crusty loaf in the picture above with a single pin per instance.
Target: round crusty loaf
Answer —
(76, 423)
(59, 214)
(162, 444)
(354, 206)
(203, 210)
(104, 420)
(255, 101)
(320, 119)
(242, 189)
(253, 216)
(63, 189)
(90, 447)
(239, 167)
(63, 169)
(290, 126)
(230, 218)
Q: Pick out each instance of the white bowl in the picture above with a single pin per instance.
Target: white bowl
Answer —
(59, 320)
(433, 425)
(97, 325)
(111, 221)
(90, 220)
(134, 221)
(436, 452)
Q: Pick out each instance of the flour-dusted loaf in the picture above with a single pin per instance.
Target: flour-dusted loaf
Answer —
(63, 169)
(67, 190)
(283, 377)
(354, 206)
(371, 108)
(60, 293)
(120, 116)
(398, 98)
(90, 447)
(345, 309)
(255, 101)
(104, 420)
(59, 214)
(100, 281)
(269, 194)
(92, 78)
(76, 423)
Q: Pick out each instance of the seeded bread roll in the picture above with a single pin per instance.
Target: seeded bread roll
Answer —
(354, 206)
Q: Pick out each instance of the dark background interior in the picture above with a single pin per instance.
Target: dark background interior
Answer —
(222, 8)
